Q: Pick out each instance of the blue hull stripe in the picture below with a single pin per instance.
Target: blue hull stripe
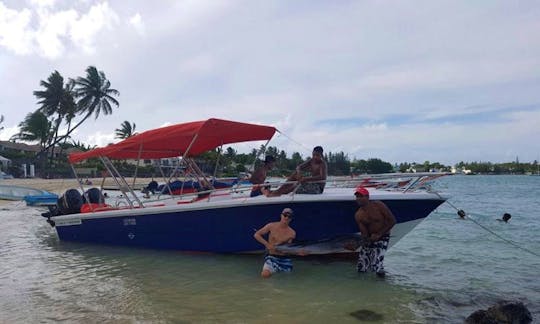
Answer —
(229, 230)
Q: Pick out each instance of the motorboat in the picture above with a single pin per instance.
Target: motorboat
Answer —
(220, 220)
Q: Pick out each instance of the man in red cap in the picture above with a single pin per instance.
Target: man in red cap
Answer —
(375, 220)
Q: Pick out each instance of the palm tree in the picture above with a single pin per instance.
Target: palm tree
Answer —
(35, 128)
(127, 130)
(56, 100)
(94, 94)
(81, 146)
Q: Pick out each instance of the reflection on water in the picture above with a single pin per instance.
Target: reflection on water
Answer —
(441, 272)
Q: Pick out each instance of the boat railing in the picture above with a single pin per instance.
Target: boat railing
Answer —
(400, 182)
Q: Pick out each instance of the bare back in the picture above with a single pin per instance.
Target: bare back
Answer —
(259, 176)
(375, 217)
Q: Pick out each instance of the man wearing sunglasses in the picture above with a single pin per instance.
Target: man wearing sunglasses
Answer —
(375, 220)
(278, 233)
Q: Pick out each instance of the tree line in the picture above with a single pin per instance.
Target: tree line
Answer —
(65, 104)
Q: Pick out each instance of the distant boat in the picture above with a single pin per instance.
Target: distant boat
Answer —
(10, 192)
(45, 199)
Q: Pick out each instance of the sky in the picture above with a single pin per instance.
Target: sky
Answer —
(403, 81)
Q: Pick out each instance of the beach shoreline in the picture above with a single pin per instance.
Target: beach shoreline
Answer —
(59, 186)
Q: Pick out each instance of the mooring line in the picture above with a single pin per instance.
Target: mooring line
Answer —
(292, 140)
(463, 215)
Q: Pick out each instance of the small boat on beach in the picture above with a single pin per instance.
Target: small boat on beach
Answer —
(221, 220)
(44, 199)
(35, 196)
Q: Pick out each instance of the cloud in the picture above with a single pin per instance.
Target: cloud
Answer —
(42, 3)
(54, 29)
(15, 34)
(99, 18)
(137, 23)
(8, 132)
(445, 81)
(100, 138)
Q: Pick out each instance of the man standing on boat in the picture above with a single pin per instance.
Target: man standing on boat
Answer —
(278, 233)
(313, 183)
(375, 220)
(259, 176)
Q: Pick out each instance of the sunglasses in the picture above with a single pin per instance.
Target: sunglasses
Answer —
(287, 215)
(360, 195)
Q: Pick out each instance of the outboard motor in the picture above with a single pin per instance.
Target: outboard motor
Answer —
(70, 202)
(94, 196)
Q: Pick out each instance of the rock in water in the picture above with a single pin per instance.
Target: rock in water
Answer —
(366, 315)
(503, 312)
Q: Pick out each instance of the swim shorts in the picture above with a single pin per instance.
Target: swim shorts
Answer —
(255, 192)
(277, 263)
(371, 256)
(310, 188)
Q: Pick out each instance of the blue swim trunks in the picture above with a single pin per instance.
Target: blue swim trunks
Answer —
(277, 263)
(256, 192)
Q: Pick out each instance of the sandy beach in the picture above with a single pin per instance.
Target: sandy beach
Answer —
(59, 186)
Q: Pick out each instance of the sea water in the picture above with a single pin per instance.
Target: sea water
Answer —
(442, 271)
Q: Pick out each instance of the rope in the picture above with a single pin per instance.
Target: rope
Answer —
(463, 215)
(292, 140)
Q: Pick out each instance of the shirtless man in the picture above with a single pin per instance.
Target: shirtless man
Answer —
(375, 221)
(278, 233)
(312, 184)
(259, 176)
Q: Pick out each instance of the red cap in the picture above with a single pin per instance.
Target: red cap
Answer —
(361, 191)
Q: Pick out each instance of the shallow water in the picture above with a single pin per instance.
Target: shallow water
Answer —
(441, 272)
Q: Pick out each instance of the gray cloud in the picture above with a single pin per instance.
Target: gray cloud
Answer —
(295, 64)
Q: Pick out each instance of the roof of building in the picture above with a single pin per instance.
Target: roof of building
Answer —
(20, 146)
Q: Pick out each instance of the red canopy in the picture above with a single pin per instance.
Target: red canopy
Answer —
(175, 140)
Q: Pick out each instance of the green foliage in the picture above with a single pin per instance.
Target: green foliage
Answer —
(126, 130)
(57, 101)
(57, 106)
(500, 168)
(371, 166)
(338, 163)
(94, 93)
(34, 128)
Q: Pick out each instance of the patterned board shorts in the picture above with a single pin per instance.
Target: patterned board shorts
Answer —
(274, 263)
(309, 188)
(371, 257)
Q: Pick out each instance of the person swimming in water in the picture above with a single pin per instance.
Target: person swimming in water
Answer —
(505, 218)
